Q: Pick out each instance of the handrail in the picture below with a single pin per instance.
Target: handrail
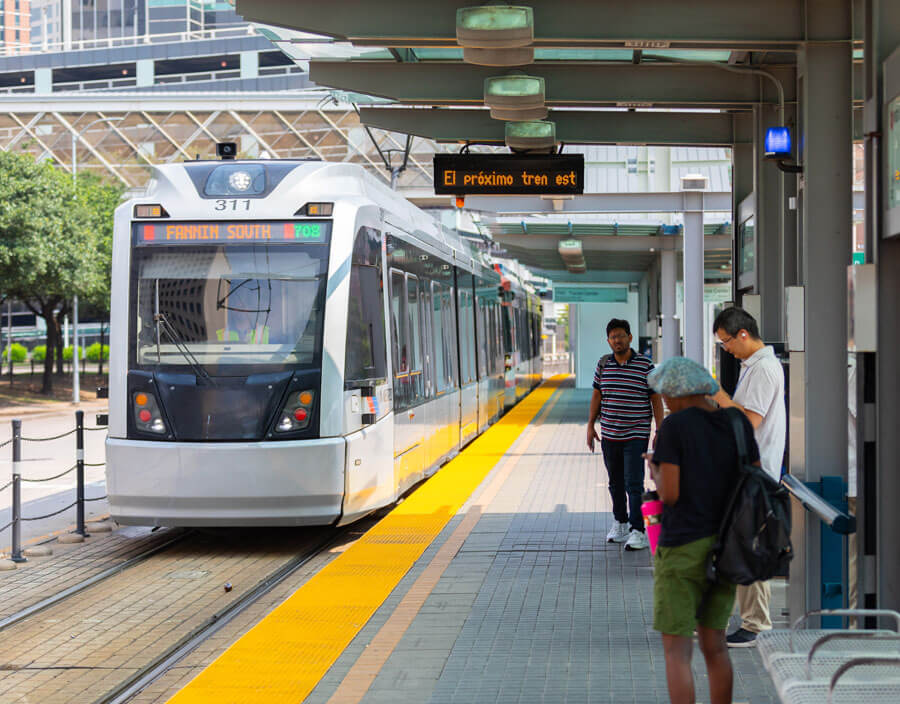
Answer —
(857, 662)
(826, 512)
(795, 626)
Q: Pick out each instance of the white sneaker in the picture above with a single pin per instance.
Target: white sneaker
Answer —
(637, 540)
(618, 533)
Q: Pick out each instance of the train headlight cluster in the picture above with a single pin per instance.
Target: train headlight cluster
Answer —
(239, 180)
(296, 412)
(147, 416)
(236, 180)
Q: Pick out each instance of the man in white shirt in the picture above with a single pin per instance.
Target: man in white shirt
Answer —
(760, 396)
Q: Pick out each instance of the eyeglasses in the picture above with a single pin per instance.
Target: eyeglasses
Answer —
(724, 342)
(618, 337)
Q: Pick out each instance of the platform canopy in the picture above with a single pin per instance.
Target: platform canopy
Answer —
(672, 74)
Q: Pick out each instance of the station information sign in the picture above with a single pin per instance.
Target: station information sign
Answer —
(235, 232)
(508, 174)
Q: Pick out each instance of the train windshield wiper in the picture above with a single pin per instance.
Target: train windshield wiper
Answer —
(163, 324)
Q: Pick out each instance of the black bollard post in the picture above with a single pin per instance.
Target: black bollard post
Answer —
(17, 492)
(79, 471)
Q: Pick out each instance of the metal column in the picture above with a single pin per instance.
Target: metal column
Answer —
(742, 183)
(827, 134)
(693, 276)
(769, 235)
(671, 343)
(877, 476)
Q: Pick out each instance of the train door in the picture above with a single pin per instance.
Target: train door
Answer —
(482, 348)
(468, 381)
(430, 410)
(449, 341)
(409, 428)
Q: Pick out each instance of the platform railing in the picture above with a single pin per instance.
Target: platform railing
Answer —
(15, 524)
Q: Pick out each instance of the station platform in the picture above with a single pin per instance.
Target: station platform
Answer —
(491, 582)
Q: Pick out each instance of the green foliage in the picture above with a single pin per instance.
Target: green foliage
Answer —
(69, 351)
(93, 352)
(55, 242)
(19, 353)
(39, 353)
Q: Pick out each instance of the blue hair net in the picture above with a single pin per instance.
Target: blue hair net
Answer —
(680, 376)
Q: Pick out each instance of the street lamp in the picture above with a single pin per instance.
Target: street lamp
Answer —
(76, 385)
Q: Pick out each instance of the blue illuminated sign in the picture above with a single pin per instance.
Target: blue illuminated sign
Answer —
(778, 143)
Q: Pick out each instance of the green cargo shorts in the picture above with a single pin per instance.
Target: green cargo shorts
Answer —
(679, 584)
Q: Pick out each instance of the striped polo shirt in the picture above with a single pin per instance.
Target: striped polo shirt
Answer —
(625, 411)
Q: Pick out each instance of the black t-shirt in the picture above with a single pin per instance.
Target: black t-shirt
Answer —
(702, 444)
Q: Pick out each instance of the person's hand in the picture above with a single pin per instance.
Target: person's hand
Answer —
(591, 436)
(722, 398)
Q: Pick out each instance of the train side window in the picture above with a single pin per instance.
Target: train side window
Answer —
(399, 337)
(427, 338)
(365, 358)
(506, 318)
(415, 339)
(497, 355)
(450, 338)
(481, 337)
(441, 371)
(465, 339)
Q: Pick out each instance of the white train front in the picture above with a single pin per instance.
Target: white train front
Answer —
(295, 344)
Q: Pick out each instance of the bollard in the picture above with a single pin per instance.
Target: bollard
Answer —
(17, 493)
(79, 472)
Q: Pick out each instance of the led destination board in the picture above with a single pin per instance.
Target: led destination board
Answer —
(508, 174)
(218, 232)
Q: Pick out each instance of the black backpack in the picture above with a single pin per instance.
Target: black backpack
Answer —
(754, 541)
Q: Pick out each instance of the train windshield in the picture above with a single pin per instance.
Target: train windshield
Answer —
(249, 305)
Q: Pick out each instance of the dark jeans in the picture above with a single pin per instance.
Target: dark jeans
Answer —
(625, 467)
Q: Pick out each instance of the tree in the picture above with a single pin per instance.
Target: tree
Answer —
(54, 242)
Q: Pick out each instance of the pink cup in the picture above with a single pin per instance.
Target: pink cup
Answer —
(652, 509)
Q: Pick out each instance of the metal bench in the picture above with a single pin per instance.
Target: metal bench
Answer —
(859, 690)
(822, 660)
(794, 641)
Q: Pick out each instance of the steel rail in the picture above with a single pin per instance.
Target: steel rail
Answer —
(89, 582)
(165, 661)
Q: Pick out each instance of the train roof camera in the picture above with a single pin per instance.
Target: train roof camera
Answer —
(226, 150)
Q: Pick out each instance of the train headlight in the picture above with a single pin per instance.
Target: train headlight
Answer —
(236, 180)
(239, 180)
(147, 415)
(296, 413)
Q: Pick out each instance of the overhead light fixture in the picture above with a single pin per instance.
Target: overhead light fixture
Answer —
(571, 253)
(518, 98)
(496, 35)
(538, 135)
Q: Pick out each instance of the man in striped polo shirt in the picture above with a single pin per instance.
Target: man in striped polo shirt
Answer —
(626, 404)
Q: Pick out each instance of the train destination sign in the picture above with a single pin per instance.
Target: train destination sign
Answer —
(508, 174)
(223, 232)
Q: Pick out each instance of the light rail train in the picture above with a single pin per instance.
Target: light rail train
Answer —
(293, 343)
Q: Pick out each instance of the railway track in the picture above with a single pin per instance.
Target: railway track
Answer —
(164, 661)
(62, 595)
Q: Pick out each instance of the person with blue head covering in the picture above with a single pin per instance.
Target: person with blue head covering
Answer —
(695, 467)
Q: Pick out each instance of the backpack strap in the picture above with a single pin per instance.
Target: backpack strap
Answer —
(740, 439)
(602, 364)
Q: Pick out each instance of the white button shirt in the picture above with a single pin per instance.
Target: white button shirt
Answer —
(760, 389)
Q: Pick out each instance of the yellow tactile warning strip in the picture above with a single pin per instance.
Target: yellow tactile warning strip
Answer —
(366, 668)
(284, 656)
